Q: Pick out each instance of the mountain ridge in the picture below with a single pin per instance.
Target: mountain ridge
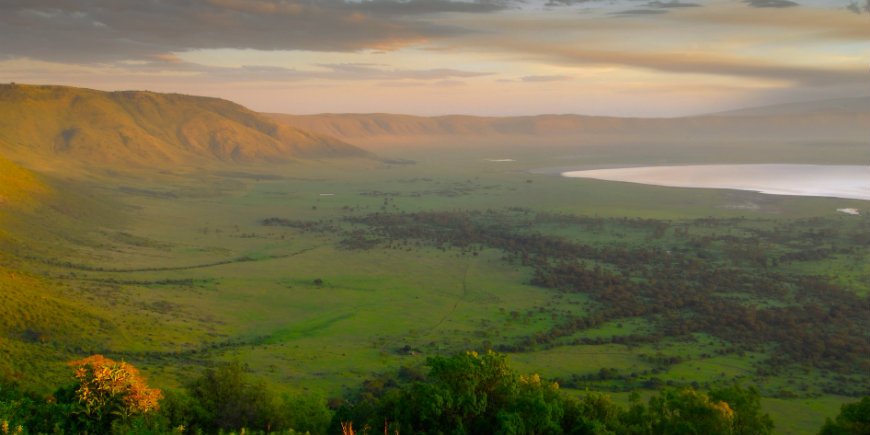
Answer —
(797, 121)
(41, 122)
(833, 105)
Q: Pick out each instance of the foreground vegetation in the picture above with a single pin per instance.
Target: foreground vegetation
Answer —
(467, 393)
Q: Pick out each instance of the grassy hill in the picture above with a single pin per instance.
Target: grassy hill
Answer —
(40, 323)
(18, 186)
(48, 123)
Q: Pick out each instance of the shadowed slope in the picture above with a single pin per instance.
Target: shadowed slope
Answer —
(146, 128)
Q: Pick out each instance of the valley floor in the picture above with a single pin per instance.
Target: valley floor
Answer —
(322, 276)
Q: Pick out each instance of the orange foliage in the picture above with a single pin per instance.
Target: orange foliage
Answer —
(108, 385)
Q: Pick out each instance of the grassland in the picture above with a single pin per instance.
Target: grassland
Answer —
(175, 271)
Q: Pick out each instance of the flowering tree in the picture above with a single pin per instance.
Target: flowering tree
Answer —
(109, 389)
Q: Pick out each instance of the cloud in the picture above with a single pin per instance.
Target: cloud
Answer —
(771, 3)
(544, 78)
(673, 4)
(171, 70)
(418, 7)
(418, 84)
(857, 8)
(265, 46)
(695, 63)
(109, 30)
(449, 83)
(565, 2)
(362, 71)
(812, 24)
(656, 8)
(166, 57)
(641, 12)
(171, 67)
(651, 4)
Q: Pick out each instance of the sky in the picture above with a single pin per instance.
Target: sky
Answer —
(648, 58)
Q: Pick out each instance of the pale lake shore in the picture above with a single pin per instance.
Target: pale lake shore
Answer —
(836, 181)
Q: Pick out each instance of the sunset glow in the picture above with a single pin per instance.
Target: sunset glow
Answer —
(493, 57)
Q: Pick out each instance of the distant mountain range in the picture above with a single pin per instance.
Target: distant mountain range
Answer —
(44, 124)
(40, 123)
(841, 120)
(841, 106)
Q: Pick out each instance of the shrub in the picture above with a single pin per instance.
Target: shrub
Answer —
(108, 390)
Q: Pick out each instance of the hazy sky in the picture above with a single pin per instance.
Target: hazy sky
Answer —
(484, 57)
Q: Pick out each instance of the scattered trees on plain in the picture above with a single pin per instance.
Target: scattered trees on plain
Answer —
(683, 285)
(474, 393)
(463, 394)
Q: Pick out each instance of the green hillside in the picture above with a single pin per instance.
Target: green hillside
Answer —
(17, 186)
(39, 123)
(39, 322)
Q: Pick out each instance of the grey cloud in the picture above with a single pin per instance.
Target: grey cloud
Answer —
(672, 4)
(640, 12)
(345, 71)
(656, 8)
(568, 2)
(417, 7)
(800, 21)
(771, 3)
(109, 30)
(857, 8)
(652, 4)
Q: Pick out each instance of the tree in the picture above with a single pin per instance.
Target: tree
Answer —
(595, 414)
(685, 412)
(853, 419)
(306, 413)
(746, 403)
(226, 399)
(468, 393)
(108, 390)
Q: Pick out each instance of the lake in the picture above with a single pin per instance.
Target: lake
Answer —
(837, 181)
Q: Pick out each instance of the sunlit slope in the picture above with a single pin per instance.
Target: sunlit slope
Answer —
(839, 120)
(41, 326)
(40, 322)
(39, 123)
(18, 186)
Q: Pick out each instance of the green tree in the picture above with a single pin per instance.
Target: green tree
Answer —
(306, 413)
(853, 419)
(595, 414)
(682, 412)
(227, 399)
(468, 393)
(746, 404)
